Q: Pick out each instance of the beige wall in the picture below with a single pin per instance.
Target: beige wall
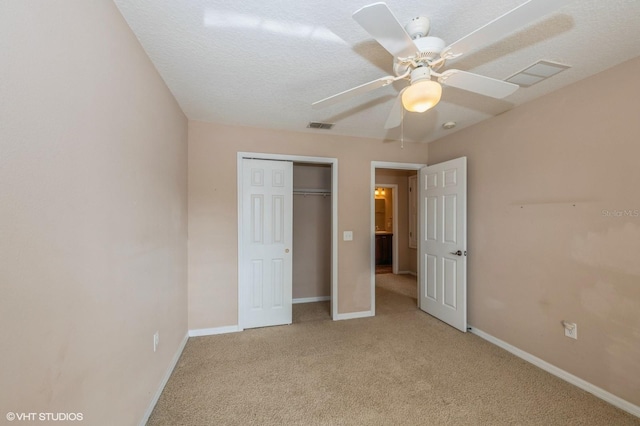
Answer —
(311, 269)
(92, 214)
(407, 257)
(541, 250)
(213, 217)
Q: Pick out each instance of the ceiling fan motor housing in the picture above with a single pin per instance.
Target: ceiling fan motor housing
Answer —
(429, 47)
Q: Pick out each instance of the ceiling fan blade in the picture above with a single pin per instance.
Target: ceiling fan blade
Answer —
(382, 25)
(395, 115)
(501, 26)
(347, 94)
(477, 83)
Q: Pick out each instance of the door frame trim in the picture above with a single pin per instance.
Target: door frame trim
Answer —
(334, 221)
(372, 245)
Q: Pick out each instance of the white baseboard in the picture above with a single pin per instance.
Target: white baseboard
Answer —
(564, 375)
(353, 315)
(407, 273)
(311, 299)
(198, 332)
(164, 381)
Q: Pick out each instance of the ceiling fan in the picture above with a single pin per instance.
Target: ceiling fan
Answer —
(419, 57)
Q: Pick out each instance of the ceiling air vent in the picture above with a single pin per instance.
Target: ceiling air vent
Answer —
(537, 72)
(316, 125)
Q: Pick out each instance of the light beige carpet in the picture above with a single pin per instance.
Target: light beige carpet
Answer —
(384, 269)
(401, 367)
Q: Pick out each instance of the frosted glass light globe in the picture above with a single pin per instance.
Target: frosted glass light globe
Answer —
(421, 96)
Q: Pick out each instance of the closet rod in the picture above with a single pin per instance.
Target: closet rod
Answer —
(303, 191)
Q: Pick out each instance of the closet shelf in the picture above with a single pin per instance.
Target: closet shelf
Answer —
(309, 191)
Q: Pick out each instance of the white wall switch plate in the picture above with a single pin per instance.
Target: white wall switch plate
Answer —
(347, 236)
(570, 329)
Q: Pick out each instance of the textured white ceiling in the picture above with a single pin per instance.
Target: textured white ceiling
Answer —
(262, 63)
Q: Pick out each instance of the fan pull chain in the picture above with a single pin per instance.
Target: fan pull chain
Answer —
(402, 130)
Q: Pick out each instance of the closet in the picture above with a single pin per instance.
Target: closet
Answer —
(311, 232)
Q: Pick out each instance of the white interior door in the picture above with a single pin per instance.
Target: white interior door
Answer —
(267, 226)
(443, 242)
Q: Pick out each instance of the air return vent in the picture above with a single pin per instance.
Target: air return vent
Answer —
(316, 125)
(537, 72)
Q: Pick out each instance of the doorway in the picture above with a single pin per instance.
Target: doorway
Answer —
(386, 227)
(244, 285)
(404, 260)
(442, 234)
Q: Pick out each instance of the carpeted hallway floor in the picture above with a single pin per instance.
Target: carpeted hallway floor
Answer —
(401, 367)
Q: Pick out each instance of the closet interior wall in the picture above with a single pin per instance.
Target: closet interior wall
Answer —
(311, 231)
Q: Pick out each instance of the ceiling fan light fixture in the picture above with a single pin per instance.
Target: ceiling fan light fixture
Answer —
(421, 96)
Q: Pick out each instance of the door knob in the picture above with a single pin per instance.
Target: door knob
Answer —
(457, 253)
